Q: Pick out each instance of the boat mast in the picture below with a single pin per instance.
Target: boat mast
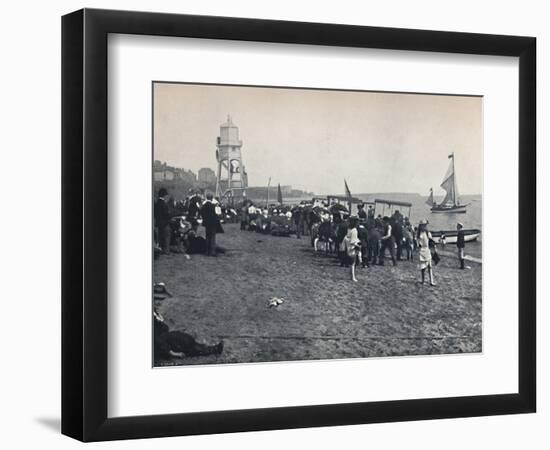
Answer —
(455, 186)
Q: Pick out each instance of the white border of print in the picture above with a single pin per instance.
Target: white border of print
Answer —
(135, 388)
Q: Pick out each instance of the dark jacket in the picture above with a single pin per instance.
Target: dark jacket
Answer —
(341, 231)
(397, 231)
(363, 236)
(460, 239)
(209, 217)
(373, 236)
(162, 213)
(193, 206)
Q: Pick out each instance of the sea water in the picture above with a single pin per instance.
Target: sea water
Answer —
(440, 221)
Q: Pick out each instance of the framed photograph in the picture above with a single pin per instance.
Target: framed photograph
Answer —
(273, 224)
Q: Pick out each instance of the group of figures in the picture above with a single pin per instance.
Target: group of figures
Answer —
(176, 230)
(362, 240)
(176, 227)
(357, 240)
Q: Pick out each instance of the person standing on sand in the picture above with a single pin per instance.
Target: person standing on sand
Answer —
(341, 232)
(388, 242)
(298, 219)
(162, 221)
(408, 238)
(363, 235)
(460, 244)
(373, 244)
(425, 254)
(244, 215)
(397, 233)
(210, 222)
(352, 245)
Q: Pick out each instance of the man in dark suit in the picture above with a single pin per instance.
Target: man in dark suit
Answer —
(387, 242)
(397, 233)
(460, 244)
(162, 221)
(210, 222)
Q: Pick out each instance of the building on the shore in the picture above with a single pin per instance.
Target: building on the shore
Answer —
(164, 172)
(231, 176)
(206, 176)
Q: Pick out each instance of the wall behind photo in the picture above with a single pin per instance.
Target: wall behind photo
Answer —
(30, 229)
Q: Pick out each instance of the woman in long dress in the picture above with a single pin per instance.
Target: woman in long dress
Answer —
(425, 254)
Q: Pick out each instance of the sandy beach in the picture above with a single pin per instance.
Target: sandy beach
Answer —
(324, 315)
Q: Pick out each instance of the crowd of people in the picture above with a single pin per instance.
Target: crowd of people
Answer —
(176, 224)
(365, 240)
(359, 239)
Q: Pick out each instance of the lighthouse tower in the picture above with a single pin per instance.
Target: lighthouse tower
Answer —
(231, 171)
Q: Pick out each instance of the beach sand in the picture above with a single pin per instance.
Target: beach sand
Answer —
(324, 314)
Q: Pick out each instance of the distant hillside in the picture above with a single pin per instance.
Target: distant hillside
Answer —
(405, 196)
(397, 196)
(258, 193)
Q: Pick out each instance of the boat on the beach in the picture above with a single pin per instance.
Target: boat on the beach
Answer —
(470, 235)
(451, 202)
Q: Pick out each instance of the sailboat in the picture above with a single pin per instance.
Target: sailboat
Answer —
(451, 202)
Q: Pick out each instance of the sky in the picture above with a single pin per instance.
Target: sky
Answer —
(312, 139)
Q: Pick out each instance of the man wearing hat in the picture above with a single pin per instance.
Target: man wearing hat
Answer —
(210, 222)
(460, 244)
(162, 221)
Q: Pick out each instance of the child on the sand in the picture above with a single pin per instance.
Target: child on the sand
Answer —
(352, 245)
(425, 255)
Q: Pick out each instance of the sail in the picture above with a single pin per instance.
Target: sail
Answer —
(430, 201)
(348, 192)
(279, 195)
(457, 195)
(450, 186)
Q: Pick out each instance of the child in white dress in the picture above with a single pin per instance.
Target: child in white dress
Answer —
(425, 254)
(352, 245)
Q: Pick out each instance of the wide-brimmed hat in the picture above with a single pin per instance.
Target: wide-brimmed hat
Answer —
(163, 192)
(424, 222)
(459, 224)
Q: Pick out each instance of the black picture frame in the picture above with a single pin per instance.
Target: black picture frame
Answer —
(84, 224)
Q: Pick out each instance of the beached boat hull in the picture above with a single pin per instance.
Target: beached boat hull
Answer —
(470, 235)
(457, 209)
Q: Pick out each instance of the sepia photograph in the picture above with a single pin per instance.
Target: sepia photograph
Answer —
(295, 224)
